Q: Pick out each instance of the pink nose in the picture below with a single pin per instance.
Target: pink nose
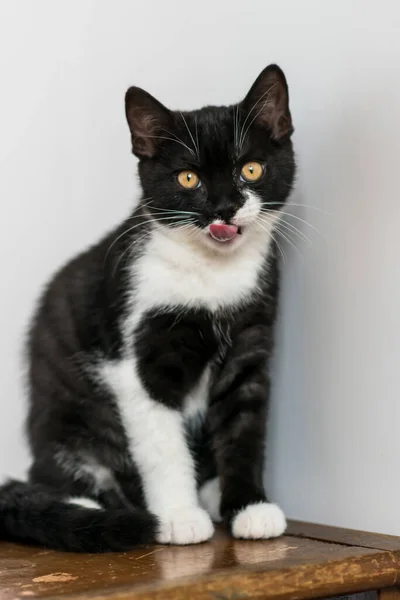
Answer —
(222, 233)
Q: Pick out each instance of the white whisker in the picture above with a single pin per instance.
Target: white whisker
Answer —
(191, 136)
(287, 239)
(167, 210)
(128, 249)
(197, 138)
(279, 247)
(289, 204)
(284, 235)
(290, 241)
(130, 229)
(176, 211)
(291, 228)
(302, 221)
(281, 211)
(271, 233)
(171, 139)
(236, 127)
(243, 136)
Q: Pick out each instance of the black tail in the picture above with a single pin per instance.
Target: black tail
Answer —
(30, 514)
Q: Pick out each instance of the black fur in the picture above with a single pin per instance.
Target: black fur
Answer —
(78, 319)
(33, 515)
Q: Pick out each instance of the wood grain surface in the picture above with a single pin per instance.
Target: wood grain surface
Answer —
(344, 536)
(292, 567)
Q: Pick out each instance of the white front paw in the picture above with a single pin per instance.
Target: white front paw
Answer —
(259, 521)
(187, 526)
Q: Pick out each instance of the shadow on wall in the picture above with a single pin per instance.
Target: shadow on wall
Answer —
(325, 264)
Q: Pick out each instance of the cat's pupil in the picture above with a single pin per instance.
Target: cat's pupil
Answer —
(189, 176)
(251, 169)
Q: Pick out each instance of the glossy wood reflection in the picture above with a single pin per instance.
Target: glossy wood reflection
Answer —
(294, 566)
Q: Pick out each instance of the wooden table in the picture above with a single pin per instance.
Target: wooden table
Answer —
(311, 561)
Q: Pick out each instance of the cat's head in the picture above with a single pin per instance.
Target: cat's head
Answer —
(218, 175)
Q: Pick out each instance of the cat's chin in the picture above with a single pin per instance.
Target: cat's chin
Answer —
(247, 235)
(224, 246)
(200, 239)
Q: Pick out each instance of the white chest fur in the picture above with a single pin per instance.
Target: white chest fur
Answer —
(169, 275)
(173, 274)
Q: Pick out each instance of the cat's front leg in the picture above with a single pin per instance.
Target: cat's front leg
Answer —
(158, 447)
(238, 421)
(169, 478)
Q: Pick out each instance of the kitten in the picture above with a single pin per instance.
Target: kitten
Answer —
(148, 354)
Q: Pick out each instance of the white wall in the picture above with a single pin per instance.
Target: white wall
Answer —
(66, 176)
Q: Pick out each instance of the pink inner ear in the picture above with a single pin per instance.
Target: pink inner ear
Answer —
(145, 132)
(268, 100)
(142, 123)
(146, 119)
(148, 125)
(272, 114)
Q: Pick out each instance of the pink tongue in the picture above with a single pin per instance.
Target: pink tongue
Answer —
(223, 233)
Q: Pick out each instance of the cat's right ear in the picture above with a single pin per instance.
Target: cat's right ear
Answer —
(148, 121)
(267, 103)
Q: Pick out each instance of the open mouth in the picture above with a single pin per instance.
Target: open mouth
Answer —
(224, 233)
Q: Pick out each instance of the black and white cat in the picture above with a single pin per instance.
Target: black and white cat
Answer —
(148, 354)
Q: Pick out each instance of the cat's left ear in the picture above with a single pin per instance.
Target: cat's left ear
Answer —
(267, 103)
(148, 121)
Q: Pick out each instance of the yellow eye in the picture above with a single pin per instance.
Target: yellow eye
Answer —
(251, 171)
(188, 180)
